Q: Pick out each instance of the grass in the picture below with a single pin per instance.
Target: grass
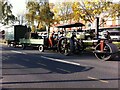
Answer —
(117, 44)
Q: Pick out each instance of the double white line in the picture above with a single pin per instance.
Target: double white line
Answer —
(97, 79)
(17, 52)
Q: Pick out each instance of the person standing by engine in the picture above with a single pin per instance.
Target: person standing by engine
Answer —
(107, 35)
(72, 41)
(51, 39)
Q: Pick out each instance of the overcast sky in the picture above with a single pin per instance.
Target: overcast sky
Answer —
(18, 6)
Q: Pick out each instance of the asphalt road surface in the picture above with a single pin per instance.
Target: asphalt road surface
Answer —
(32, 69)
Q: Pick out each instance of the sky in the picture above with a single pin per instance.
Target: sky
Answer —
(19, 6)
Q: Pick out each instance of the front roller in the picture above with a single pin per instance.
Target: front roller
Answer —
(105, 51)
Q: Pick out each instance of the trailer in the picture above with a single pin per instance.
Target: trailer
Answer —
(14, 33)
(33, 40)
(32, 43)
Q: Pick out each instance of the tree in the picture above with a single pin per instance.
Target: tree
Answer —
(63, 11)
(7, 13)
(77, 11)
(114, 10)
(0, 10)
(39, 12)
(54, 8)
(89, 10)
(86, 10)
(47, 15)
(32, 7)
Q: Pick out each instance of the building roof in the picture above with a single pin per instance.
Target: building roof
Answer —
(71, 25)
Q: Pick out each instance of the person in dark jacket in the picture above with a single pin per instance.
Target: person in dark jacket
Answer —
(107, 36)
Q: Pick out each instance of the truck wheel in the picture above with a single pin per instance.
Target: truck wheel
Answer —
(41, 48)
(23, 46)
(8, 43)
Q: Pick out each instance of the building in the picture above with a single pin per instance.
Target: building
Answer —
(111, 23)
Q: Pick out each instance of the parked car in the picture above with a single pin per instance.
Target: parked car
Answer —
(114, 34)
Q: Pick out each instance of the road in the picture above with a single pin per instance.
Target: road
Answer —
(32, 69)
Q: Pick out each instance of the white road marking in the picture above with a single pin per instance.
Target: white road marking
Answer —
(17, 52)
(63, 70)
(104, 81)
(92, 78)
(42, 64)
(59, 60)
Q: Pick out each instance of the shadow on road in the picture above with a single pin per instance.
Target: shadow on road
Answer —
(31, 61)
(51, 66)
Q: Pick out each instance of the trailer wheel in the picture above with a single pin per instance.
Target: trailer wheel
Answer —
(108, 51)
(41, 48)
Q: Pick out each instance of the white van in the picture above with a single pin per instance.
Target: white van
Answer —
(114, 34)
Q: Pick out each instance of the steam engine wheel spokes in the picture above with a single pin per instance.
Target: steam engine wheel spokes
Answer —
(64, 46)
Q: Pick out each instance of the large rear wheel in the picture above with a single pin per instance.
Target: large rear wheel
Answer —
(64, 46)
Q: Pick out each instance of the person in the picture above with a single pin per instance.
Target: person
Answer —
(72, 41)
(60, 33)
(51, 39)
(79, 30)
(92, 35)
(35, 35)
(73, 34)
(107, 35)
